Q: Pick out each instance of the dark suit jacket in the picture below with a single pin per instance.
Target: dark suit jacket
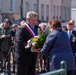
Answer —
(73, 41)
(22, 36)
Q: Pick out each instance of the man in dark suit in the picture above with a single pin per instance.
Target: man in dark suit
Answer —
(72, 36)
(24, 58)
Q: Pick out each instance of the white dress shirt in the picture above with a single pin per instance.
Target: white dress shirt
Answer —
(69, 33)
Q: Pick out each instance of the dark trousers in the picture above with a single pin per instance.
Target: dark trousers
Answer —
(23, 69)
(75, 62)
(13, 52)
(27, 67)
(7, 58)
(72, 72)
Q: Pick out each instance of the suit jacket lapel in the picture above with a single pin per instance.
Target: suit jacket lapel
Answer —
(72, 35)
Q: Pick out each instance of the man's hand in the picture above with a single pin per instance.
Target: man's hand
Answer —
(36, 50)
(3, 36)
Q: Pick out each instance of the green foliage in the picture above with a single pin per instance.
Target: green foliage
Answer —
(39, 42)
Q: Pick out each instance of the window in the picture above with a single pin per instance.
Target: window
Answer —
(57, 12)
(0, 5)
(65, 13)
(26, 7)
(42, 11)
(35, 7)
(47, 12)
(60, 13)
(12, 5)
(54, 10)
(69, 13)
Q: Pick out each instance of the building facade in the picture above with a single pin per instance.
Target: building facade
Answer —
(73, 10)
(10, 9)
(46, 9)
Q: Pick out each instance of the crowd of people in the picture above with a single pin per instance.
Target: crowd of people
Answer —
(60, 45)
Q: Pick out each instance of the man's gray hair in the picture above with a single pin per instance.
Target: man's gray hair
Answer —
(31, 14)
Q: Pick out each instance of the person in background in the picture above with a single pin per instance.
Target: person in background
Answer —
(64, 26)
(14, 27)
(24, 58)
(22, 22)
(57, 46)
(72, 37)
(5, 39)
(41, 56)
(0, 47)
(43, 26)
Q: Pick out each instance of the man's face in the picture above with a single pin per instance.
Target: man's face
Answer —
(6, 24)
(70, 27)
(43, 27)
(32, 21)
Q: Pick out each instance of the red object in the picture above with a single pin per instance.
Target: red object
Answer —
(71, 22)
(29, 30)
(49, 21)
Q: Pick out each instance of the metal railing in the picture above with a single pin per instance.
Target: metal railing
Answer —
(61, 71)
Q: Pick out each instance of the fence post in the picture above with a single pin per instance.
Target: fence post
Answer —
(63, 66)
(61, 71)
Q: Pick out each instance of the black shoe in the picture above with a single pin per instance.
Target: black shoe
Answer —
(8, 73)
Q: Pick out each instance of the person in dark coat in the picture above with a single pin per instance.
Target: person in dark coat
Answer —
(72, 37)
(24, 58)
(5, 39)
(60, 50)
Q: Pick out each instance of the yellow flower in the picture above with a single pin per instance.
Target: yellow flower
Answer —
(38, 41)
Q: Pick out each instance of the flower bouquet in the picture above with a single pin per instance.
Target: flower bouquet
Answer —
(38, 41)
